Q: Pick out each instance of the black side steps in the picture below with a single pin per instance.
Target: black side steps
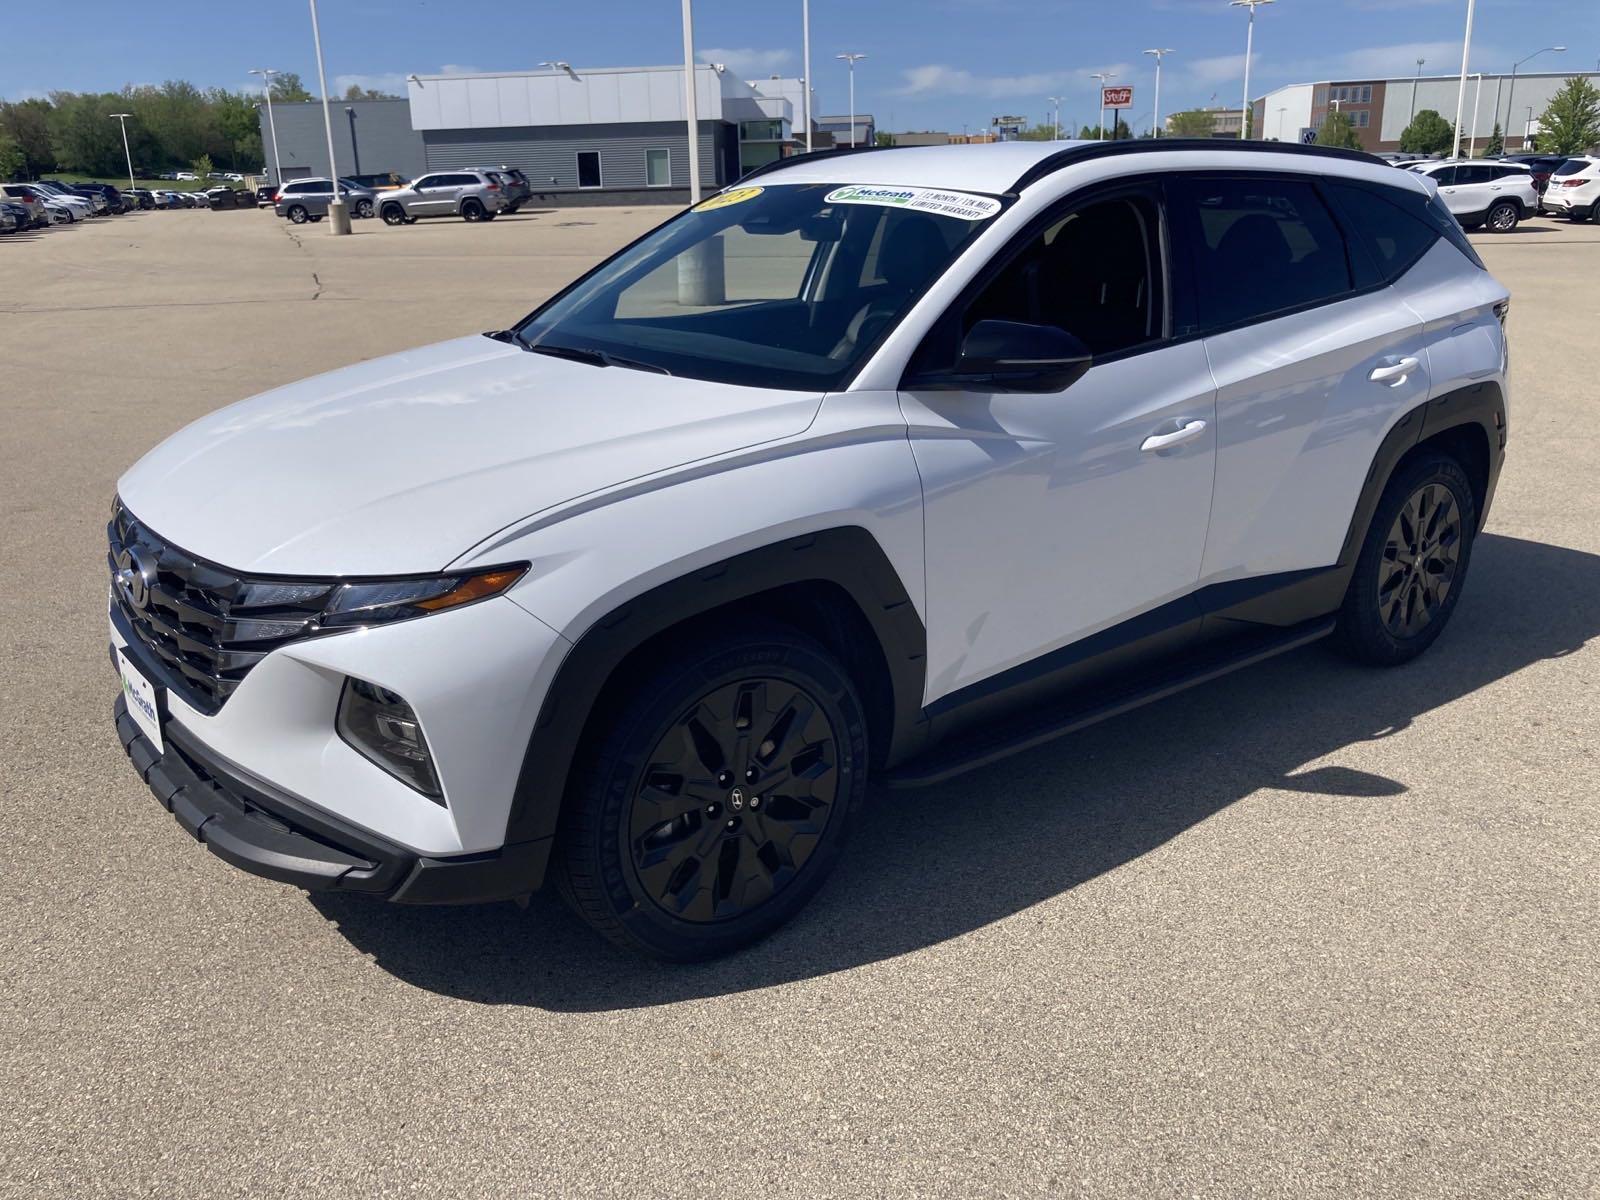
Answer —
(969, 751)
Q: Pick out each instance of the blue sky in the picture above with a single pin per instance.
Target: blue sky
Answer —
(937, 64)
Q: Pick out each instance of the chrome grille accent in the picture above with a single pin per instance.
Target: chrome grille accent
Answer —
(207, 625)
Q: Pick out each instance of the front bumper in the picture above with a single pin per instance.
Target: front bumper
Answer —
(272, 834)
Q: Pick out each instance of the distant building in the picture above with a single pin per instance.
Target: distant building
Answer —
(1380, 109)
(1224, 120)
(924, 138)
(370, 137)
(866, 129)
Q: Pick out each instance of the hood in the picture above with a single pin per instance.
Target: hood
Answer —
(399, 465)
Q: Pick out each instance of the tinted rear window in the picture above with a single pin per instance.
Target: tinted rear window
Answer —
(1259, 247)
(1573, 166)
(1389, 223)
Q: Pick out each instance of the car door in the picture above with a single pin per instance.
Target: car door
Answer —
(1314, 359)
(428, 192)
(1052, 517)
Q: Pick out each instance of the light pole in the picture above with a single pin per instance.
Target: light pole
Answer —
(691, 103)
(1415, 84)
(1511, 94)
(1056, 103)
(266, 74)
(1102, 76)
(1158, 55)
(338, 214)
(1461, 91)
(1477, 96)
(1249, 49)
(852, 60)
(805, 65)
(1281, 110)
(122, 119)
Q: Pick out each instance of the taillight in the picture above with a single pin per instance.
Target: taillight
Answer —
(1573, 182)
(493, 187)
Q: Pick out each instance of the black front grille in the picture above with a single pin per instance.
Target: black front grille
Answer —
(205, 624)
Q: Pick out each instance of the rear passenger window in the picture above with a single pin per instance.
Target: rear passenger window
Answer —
(1390, 224)
(1259, 247)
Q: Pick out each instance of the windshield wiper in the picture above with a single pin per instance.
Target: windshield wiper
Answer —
(595, 358)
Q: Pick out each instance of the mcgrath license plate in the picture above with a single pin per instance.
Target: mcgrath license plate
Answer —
(143, 701)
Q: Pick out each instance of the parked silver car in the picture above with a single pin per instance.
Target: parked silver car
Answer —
(302, 200)
(471, 195)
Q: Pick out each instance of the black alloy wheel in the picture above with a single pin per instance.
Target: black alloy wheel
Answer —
(393, 214)
(1420, 561)
(714, 791)
(1413, 563)
(733, 800)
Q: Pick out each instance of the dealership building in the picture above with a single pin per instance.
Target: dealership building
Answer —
(1380, 109)
(615, 135)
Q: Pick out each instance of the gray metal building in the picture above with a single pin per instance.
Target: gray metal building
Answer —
(370, 137)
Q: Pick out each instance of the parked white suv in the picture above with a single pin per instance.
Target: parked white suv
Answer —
(884, 463)
(1496, 195)
(1574, 189)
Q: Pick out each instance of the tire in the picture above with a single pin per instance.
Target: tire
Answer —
(488, 216)
(393, 214)
(665, 847)
(1399, 601)
(298, 214)
(471, 210)
(363, 208)
(1502, 217)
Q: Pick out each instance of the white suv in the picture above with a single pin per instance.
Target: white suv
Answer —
(1574, 189)
(881, 463)
(1496, 195)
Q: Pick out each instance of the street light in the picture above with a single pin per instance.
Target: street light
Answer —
(1158, 55)
(1102, 76)
(122, 119)
(1415, 84)
(1249, 49)
(1281, 110)
(1477, 97)
(691, 103)
(560, 65)
(338, 214)
(1461, 91)
(1512, 94)
(805, 65)
(266, 74)
(1056, 102)
(852, 60)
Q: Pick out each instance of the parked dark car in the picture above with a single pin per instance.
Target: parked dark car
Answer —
(223, 197)
(20, 215)
(1542, 166)
(30, 199)
(514, 183)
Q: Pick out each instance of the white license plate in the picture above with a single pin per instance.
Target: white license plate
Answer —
(144, 703)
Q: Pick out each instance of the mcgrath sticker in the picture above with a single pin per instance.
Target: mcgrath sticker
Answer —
(727, 199)
(961, 205)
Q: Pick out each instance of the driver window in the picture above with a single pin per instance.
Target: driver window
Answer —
(1094, 273)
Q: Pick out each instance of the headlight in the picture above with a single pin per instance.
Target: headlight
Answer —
(384, 729)
(397, 599)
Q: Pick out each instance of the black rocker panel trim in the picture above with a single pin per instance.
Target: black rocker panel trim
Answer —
(849, 558)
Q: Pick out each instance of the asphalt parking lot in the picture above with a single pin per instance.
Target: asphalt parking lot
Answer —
(1311, 931)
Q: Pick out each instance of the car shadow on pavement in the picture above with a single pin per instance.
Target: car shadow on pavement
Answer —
(930, 865)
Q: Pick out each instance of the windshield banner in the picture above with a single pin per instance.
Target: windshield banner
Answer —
(962, 205)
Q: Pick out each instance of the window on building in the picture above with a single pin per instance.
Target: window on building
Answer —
(588, 168)
(1258, 247)
(658, 168)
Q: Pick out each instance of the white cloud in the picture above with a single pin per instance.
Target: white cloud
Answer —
(392, 82)
(1216, 70)
(936, 80)
(748, 62)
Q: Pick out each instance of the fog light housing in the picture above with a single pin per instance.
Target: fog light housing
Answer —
(382, 728)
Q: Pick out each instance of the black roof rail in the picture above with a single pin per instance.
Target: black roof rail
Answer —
(779, 164)
(1074, 154)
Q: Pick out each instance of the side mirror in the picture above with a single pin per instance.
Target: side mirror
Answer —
(1014, 356)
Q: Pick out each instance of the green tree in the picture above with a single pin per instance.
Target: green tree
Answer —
(357, 92)
(237, 121)
(1338, 131)
(11, 157)
(1193, 124)
(27, 122)
(1428, 133)
(879, 139)
(202, 167)
(1091, 133)
(1497, 143)
(84, 136)
(1571, 124)
(287, 88)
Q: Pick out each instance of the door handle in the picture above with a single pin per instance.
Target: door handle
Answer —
(1166, 441)
(1395, 373)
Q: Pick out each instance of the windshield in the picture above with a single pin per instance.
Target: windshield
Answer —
(783, 286)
